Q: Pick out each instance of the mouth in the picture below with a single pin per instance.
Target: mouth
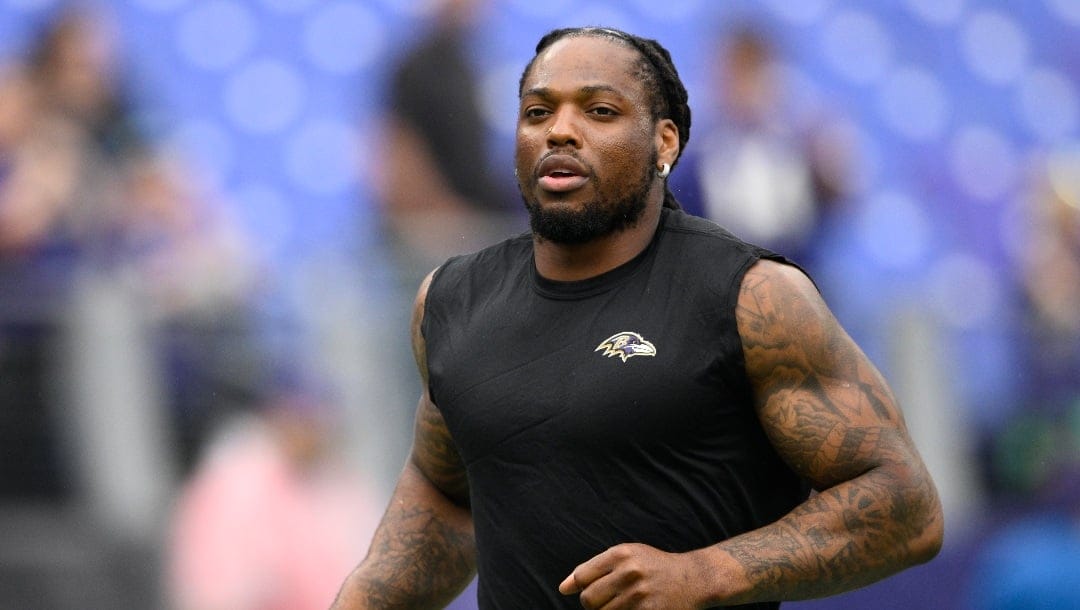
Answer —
(561, 173)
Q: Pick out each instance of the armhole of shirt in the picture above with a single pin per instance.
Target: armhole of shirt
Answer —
(426, 323)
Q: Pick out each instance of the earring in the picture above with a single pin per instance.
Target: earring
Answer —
(665, 169)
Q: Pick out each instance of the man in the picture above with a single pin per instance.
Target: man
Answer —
(624, 408)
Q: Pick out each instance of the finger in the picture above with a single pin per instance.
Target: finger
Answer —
(569, 585)
(585, 574)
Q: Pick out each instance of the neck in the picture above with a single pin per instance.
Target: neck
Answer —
(571, 262)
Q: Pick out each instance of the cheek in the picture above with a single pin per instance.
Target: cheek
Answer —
(627, 156)
(525, 153)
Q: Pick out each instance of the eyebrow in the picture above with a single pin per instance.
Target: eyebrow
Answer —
(546, 92)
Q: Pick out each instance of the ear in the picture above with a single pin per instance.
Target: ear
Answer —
(667, 141)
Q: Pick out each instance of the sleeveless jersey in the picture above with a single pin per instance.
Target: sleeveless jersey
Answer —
(597, 412)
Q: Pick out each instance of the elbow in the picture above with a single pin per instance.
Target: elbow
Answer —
(928, 543)
(916, 515)
(930, 540)
(927, 522)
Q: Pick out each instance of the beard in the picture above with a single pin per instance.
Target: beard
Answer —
(604, 215)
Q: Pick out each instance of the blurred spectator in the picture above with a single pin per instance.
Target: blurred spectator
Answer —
(437, 188)
(1042, 437)
(193, 272)
(198, 283)
(61, 135)
(120, 275)
(62, 181)
(272, 518)
(752, 171)
(89, 200)
(1051, 276)
(66, 140)
(438, 192)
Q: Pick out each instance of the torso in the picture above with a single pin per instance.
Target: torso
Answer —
(570, 447)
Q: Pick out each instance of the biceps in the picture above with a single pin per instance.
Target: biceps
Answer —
(830, 426)
(826, 408)
(435, 454)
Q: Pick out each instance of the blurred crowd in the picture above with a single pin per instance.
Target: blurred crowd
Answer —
(144, 421)
(159, 449)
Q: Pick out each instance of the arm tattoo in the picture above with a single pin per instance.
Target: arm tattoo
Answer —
(423, 553)
(434, 452)
(436, 456)
(832, 417)
(417, 560)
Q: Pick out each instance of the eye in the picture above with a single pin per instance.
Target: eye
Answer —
(535, 112)
(604, 111)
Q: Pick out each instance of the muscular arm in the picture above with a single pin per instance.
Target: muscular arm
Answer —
(833, 419)
(423, 552)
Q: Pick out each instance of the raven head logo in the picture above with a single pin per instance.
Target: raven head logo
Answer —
(625, 345)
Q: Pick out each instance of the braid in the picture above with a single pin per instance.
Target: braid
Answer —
(657, 71)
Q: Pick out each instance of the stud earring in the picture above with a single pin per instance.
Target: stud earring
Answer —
(665, 169)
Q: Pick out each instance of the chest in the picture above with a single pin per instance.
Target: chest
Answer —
(634, 368)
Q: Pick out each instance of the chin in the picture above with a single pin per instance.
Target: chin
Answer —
(567, 222)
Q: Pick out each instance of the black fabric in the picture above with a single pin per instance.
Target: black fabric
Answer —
(434, 90)
(570, 451)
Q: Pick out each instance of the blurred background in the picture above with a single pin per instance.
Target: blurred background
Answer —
(214, 215)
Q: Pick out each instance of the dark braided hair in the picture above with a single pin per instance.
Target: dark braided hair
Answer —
(657, 72)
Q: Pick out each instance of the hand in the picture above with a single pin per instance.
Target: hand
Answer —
(636, 576)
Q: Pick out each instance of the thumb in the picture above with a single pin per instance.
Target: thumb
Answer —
(569, 585)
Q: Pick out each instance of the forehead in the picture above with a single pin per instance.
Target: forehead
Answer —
(586, 61)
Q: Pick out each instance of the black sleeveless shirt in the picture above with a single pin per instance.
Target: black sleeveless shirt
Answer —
(609, 410)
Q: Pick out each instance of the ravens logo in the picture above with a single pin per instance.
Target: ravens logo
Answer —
(625, 345)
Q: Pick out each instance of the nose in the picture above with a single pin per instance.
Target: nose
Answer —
(563, 130)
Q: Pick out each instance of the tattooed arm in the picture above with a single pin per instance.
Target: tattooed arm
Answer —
(423, 553)
(833, 419)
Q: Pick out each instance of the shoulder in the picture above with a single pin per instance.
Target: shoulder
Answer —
(782, 317)
(770, 286)
(711, 254)
(463, 281)
(497, 258)
(682, 221)
(696, 232)
(416, 333)
(779, 277)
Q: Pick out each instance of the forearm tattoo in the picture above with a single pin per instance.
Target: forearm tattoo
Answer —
(418, 559)
(424, 552)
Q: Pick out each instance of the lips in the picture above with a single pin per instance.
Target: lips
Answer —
(561, 173)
